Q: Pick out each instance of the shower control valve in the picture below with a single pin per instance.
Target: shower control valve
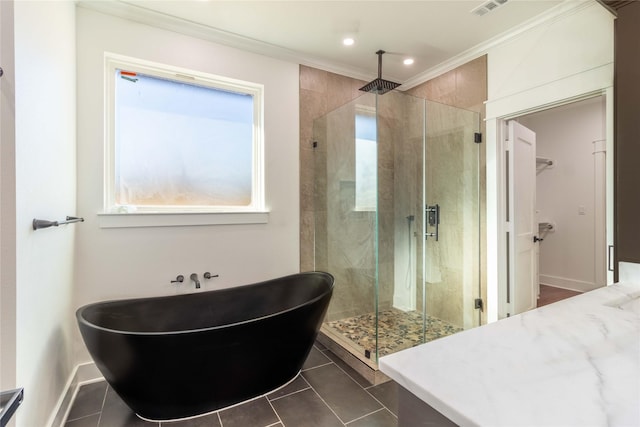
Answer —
(208, 275)
(179, 279)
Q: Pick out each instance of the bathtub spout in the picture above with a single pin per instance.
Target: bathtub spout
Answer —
(195, 279)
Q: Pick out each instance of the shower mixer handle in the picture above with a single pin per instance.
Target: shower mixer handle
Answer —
(432, 214)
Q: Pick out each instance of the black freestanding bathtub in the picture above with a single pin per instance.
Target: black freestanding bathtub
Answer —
(185, 355)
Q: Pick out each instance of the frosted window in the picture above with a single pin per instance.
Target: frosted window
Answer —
(366, 163)
(180, 144)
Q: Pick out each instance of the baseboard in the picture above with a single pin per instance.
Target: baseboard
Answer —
(84, 373)
(565, 283)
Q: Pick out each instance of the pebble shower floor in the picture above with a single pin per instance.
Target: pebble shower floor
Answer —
(397, 330)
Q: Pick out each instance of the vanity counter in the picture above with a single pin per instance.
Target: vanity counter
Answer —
(572, 363)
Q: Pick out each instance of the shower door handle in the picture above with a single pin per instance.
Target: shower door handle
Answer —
(432, 214)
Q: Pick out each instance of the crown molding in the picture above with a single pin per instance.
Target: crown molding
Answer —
(146, 16)
(564, 9)
(156, 19)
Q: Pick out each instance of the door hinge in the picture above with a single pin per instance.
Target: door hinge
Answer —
(478, 304)
(477, 137)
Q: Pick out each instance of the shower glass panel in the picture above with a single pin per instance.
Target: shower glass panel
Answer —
(345, 163)
(397, 221)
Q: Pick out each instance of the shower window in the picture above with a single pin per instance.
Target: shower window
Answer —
(181, 141)
(366, 160)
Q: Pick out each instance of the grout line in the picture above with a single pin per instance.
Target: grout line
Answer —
(326, 404)
(370, 413)
(219, 419)
(104, 400)
(277, 415)
(348, 375)
(377, 400)
(367, 391)
(318, 366)
(84, 416)
(290, 394)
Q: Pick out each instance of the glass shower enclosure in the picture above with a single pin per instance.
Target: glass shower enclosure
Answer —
(397, 221)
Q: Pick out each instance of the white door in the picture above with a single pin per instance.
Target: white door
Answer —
(523, 224)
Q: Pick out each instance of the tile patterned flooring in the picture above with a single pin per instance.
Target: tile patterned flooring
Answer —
(327, 393)
(397, 330)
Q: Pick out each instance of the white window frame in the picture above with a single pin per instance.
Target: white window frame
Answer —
(114, 216)
(365, 110)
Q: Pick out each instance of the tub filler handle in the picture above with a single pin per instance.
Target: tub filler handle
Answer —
(179, 279)
(208, 275)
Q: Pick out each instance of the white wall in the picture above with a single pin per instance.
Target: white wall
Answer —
(564, 58)
(7, 201)
(566, 135)
(136, 262)
(45, 188)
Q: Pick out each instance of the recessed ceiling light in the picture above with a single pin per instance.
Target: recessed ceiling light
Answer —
(348, 41)
(408, 61)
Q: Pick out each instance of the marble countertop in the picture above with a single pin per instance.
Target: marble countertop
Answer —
(572, 363)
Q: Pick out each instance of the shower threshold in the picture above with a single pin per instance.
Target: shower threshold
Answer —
(354, 339)
(350, 354)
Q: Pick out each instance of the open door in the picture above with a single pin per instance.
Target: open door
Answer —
(522, 222)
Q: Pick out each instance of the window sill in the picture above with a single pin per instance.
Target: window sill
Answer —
(148, 219)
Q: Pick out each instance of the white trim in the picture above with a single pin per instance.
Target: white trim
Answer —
(183, 26)
(565, 90)
(551, 15)
(496, 224)
(156, 219)
(600, 211)
(610, 177)
(145, 16)
(567, 283)
(84, 373)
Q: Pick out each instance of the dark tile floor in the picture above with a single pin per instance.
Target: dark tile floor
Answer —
(327, 393)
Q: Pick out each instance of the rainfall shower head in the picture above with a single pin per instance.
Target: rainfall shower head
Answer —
(379, 85)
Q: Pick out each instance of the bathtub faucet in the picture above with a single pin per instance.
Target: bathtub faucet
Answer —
(194, 277)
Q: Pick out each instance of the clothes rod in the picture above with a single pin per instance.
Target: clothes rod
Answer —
(545, 226)
(544, 160)
(43, 223)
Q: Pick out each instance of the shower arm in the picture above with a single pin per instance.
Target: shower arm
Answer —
(380, 53)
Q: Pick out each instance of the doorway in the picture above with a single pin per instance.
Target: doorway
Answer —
(569, 241)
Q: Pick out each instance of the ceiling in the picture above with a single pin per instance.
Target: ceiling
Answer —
(311, 32)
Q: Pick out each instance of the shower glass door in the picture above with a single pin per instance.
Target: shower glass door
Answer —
(345, 198)
(452, 201)
(397, 195)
